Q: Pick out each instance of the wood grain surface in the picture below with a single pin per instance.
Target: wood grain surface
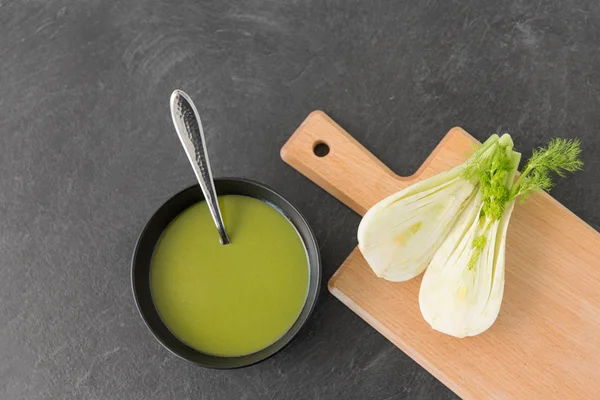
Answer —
(545, 343)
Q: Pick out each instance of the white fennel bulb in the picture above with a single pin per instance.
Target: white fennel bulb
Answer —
(462, 289)
(459, 296)
(399, 235)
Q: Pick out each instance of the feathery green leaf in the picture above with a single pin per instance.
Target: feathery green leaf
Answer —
(559, 156)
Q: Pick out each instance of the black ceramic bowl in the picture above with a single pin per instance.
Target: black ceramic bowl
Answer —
(140, 269)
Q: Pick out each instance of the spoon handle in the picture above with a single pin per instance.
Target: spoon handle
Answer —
(189, 129)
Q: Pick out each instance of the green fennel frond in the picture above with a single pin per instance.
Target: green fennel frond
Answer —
(559, 156)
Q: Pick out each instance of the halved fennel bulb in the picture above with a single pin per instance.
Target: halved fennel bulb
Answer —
(462, 289)
(459, 298)
(399, 235)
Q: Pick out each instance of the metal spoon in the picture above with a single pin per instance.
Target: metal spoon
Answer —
(189, 129)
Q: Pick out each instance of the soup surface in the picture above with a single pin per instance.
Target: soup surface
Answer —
(236, 299)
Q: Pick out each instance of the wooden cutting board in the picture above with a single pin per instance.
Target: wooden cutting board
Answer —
(545, 343)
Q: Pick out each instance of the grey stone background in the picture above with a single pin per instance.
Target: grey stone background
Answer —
(88, 152)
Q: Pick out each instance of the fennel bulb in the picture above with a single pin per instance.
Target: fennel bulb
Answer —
(462, 300)
(462, 289)
(399, 235)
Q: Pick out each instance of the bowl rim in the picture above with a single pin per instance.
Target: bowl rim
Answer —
(314, 265)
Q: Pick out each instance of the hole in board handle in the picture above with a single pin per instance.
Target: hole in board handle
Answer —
(321, 149)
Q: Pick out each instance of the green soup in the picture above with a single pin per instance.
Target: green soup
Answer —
(236, 299)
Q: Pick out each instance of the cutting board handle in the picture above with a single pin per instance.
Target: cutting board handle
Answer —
(348, 171)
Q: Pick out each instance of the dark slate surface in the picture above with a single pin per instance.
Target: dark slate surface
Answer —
(88, 152)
